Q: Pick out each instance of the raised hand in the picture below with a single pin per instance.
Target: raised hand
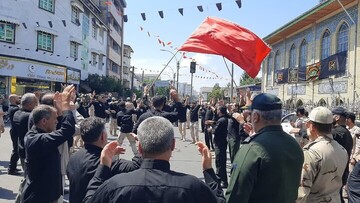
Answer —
(109, 151)
(206, 155)
(66, 97)
(174, 95)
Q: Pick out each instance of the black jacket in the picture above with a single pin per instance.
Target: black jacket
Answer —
(114, 106)
(153, 182)
(194, 113)
(43, 177)
(233, 129)
(82, 167)
(181, 109)
(99, 109)
(124, 120)
(171, 116)
(220, 131)
(20, 128)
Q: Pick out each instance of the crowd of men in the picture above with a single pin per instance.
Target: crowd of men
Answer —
(56, 135)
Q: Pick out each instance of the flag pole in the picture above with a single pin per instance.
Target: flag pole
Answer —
(231, 75)
(167, 64)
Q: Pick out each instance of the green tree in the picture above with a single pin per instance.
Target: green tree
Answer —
(102, 84)
(217, 93)
(247, 80)
(162, 91)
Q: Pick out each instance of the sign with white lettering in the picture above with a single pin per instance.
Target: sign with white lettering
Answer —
(30, 69)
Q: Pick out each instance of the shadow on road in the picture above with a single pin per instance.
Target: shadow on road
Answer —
(7, 194)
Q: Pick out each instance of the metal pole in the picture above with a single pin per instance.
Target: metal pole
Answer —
(132, 79)
(232, 83)
(177, 75)
(191, 87)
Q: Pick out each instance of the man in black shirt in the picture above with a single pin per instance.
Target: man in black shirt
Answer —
(14, 102)
(101, 107)
(233, 132)
(158, 103)
(154, 181)
(83, 163)
(208, 130)
(220, 136)
(343, 137)
(20, 122)
(43, 165)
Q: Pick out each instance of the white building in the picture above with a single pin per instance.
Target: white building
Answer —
(127, 66)
(44, 43)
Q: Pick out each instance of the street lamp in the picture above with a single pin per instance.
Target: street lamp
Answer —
(172, 72)
(177, 67)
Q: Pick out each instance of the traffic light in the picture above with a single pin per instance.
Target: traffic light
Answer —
(192, 67)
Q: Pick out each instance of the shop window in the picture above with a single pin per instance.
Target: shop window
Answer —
(7, 32)
(45, 41)
(47, 5)
(93, 56)
(73, 50)
(75, 15)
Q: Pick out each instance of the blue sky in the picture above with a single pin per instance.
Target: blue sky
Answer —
(260, 16)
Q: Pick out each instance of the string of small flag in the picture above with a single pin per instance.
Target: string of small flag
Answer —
(180, 10)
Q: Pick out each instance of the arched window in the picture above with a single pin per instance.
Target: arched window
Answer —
(269, 71)
(325, 45)
(343, 38)
(303, 53)
(277, 60)
(292, 57)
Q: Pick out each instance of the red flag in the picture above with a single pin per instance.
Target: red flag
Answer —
(163, 44)
(108, 3)
(168, 43)
(141, 28)
(238, 44)
(159, 41)
(148, 33)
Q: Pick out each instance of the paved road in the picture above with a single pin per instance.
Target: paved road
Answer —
(185, 159)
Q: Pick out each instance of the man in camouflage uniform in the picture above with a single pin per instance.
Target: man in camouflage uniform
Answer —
(325, 161)
(267, 167)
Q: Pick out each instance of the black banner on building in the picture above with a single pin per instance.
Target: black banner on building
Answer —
(333, 65)
(293, 75)
(282, 76)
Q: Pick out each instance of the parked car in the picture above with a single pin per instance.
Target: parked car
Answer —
(286, 122)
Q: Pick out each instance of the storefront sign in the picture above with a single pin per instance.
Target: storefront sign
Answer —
(73, 76)
(30, 69)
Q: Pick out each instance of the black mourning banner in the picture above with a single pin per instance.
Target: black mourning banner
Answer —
(293, 75)
(333, 65)
(313, 71)
(282, 76)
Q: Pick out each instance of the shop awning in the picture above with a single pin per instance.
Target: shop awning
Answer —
(78, 6)
(9, 19)
(101, 52)
(76, 40)
(92, 50)
(47, 30)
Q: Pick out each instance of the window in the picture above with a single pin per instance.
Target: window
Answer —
(45, 41)
(114, 67)
(303, 53)
(343, 38)
(100, 62)
(7, 32)
(48, 5)
(101, 34)
(115, 47)
(292, 56)
(93, 56)
(277, 61)
(94, 31)
(269, 70)
(325, 45)
(75, 15)
(73, 50)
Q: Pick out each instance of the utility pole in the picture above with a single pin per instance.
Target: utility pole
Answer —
(191, 87)
(232, 82)
(177, 75)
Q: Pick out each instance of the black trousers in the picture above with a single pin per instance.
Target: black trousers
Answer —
(220, 161)
(209, 139)
(14, 158)
(234, 146)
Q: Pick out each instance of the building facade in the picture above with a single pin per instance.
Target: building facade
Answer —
(44, 43)
(112, 14)
(314, 58)
(127, 69)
